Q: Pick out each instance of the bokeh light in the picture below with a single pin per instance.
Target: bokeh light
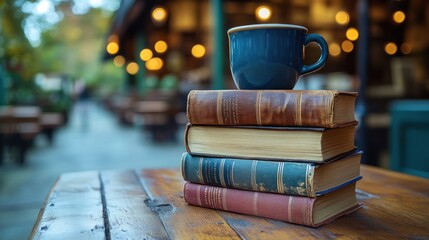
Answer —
(154, 64)
(263, 13)
(113, 38)
(161, 46)
(119, 61)
(132, 68)
(112, 48)
(406, 48)
(352, 34)
(334, 49)
(399, 16)
(390, 48)
(146, 54)
(347, 46)
(342, 18)
(159, 14)
(198, 51)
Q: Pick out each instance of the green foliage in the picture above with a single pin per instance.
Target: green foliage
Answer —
(73, 47)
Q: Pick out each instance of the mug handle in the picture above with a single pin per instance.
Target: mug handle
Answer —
(319, 40)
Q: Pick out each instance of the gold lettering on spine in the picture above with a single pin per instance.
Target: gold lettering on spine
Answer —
(200, 170)
(235, 110)
(280, 185)
(222, 172)
(299, 109)
(198, 195)
(255, 203)
(289, 209)
(218, 203)
(208, 196)
(219, 108)
(253, 176)
(224, 191)
(258, 107)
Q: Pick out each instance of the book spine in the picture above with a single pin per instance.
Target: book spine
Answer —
(263, 176)
(276, 108)
(288, 208)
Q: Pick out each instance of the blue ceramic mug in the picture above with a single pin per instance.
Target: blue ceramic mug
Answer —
(269, 56)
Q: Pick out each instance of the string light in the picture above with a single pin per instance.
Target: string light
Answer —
(263, 13)
(119, 61)
(146, 54)
(161, 46)
(352, 34)
(347, 46)
(334, 49)
(399, 16)
(342, 18)
(406, 48)
(390, 48)
(112, 48)
(159, 14)
(154, 64)
(198, 51)
(132, 68)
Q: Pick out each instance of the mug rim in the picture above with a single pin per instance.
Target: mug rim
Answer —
(264, 26)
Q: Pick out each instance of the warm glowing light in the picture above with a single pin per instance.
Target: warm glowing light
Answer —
(334, 49)
(119, 61)
(132, 68)
(406, 48)
(159, 14)
(263, 13)
(198, 51)
(347, 46)
(113, 38)
(154, 64)
(399, 16)
(112, 47)
(342, 17)
(352, 34)
(146, 54)
(390, 48)
(161, 46)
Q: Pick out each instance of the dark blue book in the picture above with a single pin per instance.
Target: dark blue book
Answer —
(291, 178)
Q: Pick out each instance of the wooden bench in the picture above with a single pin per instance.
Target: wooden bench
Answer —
(148, 204)
(159, 118)
(19, 126)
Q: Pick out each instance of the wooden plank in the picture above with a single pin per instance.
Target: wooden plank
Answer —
(128, 215)
(164, 187)
(395, 207)
(73, 209)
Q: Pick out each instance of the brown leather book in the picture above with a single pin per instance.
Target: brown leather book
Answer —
(311, 108)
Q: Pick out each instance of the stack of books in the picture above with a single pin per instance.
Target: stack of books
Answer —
(282, 154)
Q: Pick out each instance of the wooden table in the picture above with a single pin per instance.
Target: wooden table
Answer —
(148, 204)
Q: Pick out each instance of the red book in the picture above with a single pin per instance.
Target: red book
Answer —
(294, 209)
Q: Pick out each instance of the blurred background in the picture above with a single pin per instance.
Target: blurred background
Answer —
(102, 84)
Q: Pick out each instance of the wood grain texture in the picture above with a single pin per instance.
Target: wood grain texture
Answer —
(164, 188)
(127, 212)
(394, 207)
(73, 209)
